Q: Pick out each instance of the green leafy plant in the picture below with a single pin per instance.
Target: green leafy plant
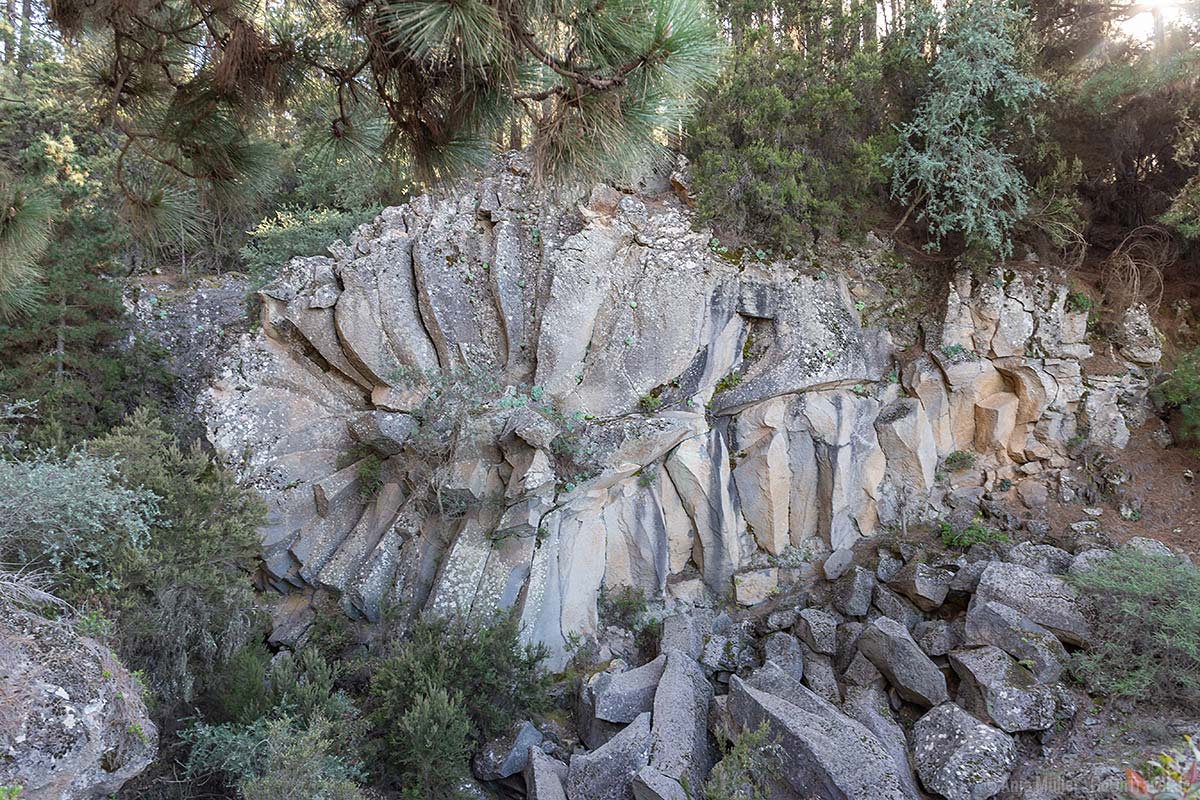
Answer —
(432, 745)
(953, 161)
(747, 768)
(1145, 641)
(975, 533)
(650, 403)
(1079, 302)
(1172, 775)
(959, 460)
(1180, 392)
(730, 381)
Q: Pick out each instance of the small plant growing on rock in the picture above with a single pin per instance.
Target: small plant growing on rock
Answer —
(747, 769)
(1078, 302)
(730, 381)
(975, 533)
(959, 461)
(650, 403)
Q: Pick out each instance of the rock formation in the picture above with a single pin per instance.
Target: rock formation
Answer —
(500, 398)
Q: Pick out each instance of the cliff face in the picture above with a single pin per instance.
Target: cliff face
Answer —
(497, 398)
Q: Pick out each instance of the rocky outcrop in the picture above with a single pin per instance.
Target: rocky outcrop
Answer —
(501, 398)
(73, 724)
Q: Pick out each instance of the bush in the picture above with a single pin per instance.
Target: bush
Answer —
(1180, 391)
(1145, 642)
(975, 533)
(187, 604)
(791, 141)
(74, 517)
(499, 678)
(959, 460)
(952, 161)
(1169, 776)
(295, 232)
(431, 745)
(303, 763)
(746, 770)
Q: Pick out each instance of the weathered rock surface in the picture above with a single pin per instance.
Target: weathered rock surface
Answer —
(545, 777)
(959, 757)
(73, 724)
(824, 753)
(998, 690)
(1046, 600)
(588, 334)
(679, 747)
(607, 773)
(623, 696)
(891, 648)
(996, 624)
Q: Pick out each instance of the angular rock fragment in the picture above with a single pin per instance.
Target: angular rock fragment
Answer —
(996, 624)
(607, 772)
(998, 690)
(891, 648)
(1045, 599)
(622, 696)
(960, 758)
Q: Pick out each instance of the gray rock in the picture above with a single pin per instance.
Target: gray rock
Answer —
(607, 773)
(838, 563)
(593, 731)
(622, 696)
(679, 745)
(507, 755)
(786, 651)
(997, 689)
(889, 565)
(1042, 558)
(998, 625)
(853, 592)
(1150, 547)
(820, 676)
(922, 583)
(824, 752)
(1045, 599)
(385, 432)
(79, 726)
(818, 629)
(968, 575)
(896, 607)
(544, 777)
(868, 704)
(1087, 560)
(780, 619)
(960, 758)
(848, 634)
(687, 632)
(861, 672)
(891, 648)
(650, 784)
(935, 637)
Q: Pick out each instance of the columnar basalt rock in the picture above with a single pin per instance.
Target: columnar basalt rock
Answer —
(500, 397)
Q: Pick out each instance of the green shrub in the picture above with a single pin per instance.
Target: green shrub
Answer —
(746, 770)
(953, 162)
(187, 603)
(1078, 302)
(791, 139)
(1145, 642)
(294, 231)
(499, 678)
(975, 533)
(650, 403)
(1174, 775)
(1180, 391)
(959, 460)
(307, 761)
(730, 381)
(73, 516)
(431, 746)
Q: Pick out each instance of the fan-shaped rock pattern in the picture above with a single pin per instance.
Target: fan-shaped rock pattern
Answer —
(499, 398)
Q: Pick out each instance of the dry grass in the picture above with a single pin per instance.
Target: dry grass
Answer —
(1133, 273)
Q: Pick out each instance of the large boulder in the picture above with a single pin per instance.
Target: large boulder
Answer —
(607, 773)
(1046, 600)
(73, 724)
(997, 689)
(891, 648)
(959, 757)
(622, 696)
(544, 777)
(924, 584)
(825, 754)
(679, 747)
(996, 624)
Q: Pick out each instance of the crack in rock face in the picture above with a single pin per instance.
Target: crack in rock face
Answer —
(501, 398)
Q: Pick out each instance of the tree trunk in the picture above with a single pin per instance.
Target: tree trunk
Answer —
(60, 342)
(26, 36)
(10, 38)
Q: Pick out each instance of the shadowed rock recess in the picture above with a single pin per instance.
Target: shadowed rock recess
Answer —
(499, 398)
